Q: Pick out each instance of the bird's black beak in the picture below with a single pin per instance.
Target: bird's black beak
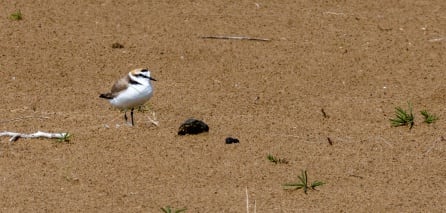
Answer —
(152, 79)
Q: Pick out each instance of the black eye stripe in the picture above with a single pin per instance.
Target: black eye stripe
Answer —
(142, 75)
(133, 82)
(144, 70)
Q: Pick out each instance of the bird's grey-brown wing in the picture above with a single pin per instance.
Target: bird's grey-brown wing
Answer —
(117, 88)
(120, 85)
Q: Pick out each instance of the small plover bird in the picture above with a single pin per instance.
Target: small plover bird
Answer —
(131, 91)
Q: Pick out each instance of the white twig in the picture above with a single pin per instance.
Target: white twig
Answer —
(334, 13)
(236, 38)
(154, 120)
(247, 200)
(437, 39)
(255, 207)
(385, 141)
(15, 136)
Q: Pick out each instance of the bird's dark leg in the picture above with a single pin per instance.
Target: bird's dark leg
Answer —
(125, 116)
(131, 114)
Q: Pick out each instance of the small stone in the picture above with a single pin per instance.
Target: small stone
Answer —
(117, 45)
(230, 140)
(193, 126)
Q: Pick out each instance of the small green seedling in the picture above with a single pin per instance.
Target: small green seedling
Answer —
(429, 118)
(275, 160)
(403, 118)
(303, 184)
(66, 137)
(144, 108)
(169, 209)
(16, 16)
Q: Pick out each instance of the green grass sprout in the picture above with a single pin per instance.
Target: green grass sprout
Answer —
(303, 184)
(276, 160)
(403, 118)
(144, 108)
(429, 118)
(169, 209)
(16, 16)
(66, 138)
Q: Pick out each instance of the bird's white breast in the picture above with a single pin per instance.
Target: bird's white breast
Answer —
(133, 96)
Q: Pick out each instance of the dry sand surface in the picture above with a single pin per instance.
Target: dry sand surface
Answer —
(356, 60)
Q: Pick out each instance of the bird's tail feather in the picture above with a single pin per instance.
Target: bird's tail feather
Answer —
(106, 96)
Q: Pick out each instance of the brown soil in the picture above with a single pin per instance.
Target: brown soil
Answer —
(357, 61)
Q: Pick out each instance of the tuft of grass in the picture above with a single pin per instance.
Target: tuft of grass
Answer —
(144, 108)
(169, 209)
(276, 160)
(66, 138)
(16, 16)
(403, 118)
(429, 118)
(303, 183)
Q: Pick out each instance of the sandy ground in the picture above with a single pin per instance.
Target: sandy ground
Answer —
(356, 61)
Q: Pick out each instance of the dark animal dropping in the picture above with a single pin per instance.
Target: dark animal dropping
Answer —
(117, 45)
(193, 126)
(230, 140)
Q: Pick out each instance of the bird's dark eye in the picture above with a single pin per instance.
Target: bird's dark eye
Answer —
(144, 70)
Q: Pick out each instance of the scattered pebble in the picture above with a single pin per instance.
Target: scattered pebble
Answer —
(329, 141)
(230, 140)
(193, 126)
(117, 45)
